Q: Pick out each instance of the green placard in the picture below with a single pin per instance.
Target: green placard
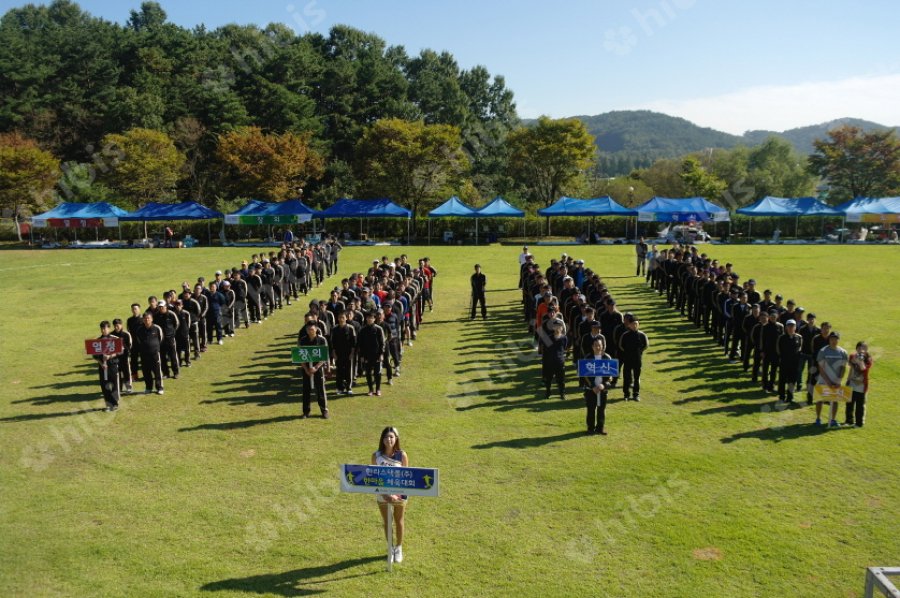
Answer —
(309, 354)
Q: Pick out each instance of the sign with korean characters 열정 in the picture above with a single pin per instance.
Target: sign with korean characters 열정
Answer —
(598, 367)
(822, 393)
(379, 479)
(309, 354)
(103, 346)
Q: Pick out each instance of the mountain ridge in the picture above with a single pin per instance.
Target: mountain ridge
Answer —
(629, 139)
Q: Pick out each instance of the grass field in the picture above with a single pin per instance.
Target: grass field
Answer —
(218, 488)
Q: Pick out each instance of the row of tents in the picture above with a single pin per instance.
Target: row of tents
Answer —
(657, 209)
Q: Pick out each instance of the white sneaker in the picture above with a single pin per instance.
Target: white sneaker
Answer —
(398, 554)
(221, 342)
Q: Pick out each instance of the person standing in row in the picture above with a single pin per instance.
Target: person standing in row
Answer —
(125, 380)
(313, 372)
(858, 381)
(150, 340)
(595, 396)
(553, 357)
(640, 249)
(168, 321)
(343, 343)
(183, 334)
(134, 323)
(632, 345)
(832, 362)
(479, 282)
(790, 346)
(108, 366)
(371, 345)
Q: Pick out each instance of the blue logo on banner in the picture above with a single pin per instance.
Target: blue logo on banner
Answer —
(598, 367)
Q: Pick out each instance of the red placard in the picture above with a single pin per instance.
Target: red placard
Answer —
(75, 222)
(103, 346)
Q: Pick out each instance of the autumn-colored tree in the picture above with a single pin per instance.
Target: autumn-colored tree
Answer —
(268, 166)
(141, 164)
(411, 162)
(549, 155)
(27, 175)
(857, 163)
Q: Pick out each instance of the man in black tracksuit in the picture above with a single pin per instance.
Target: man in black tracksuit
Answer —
(239, 286)
(254, 288)
(553, 359)
(739, 313)
(183, 334)
(371, 345)
(150, 339)
(632, 345)
(769, 342)
(343, 345)
(168, 321)
(108, 366)
(201, 296)
(267, 292)
(127, 349)
(479, 281)
(192, 306)
(790, 345)
(313, 373)
(133, 324)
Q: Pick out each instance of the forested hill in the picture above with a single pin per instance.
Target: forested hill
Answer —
(630, 139)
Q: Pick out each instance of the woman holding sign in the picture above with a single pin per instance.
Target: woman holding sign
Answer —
(389, 454)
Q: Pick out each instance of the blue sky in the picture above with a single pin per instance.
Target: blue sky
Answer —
(726, 64)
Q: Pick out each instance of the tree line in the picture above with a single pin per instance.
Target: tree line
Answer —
(149, 111)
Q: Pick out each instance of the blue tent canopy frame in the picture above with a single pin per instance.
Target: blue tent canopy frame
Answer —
(367, 208)
(686, 209)
(598, 206)
(787, 207)
(109, 213)
(160, 212)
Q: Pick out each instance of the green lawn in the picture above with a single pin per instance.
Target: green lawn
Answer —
(217, 488)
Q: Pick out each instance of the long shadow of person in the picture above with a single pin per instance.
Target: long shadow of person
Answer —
(290, 583)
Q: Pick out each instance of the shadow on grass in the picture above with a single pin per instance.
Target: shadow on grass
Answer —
(289, 583)
(39, 416)
(239, 425)
(777, 434)
(533, 442)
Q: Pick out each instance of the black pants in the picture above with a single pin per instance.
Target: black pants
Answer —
(641, 265)
(476, 299)
(757, 366)
(769, 368)
(737, 340)
(395, 349)
(183, 349)
(253, 304)
(314, 383)
(195, 339)
(124, 371)
(855, 412)
(201, 330)
(267, 299)
(555, 370)
(109, 383)
(228, 320)
(596, 409)
(787, 378)
(372, 368)
(213, 322)
(135, 361)
(169, 352)
(151, 368)
(631, 375)
(344, 372)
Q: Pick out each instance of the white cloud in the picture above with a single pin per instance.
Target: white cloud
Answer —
(777, 108)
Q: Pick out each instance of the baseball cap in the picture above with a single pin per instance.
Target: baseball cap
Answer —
(752, 281)
(834, 335)
(810, 315)
(218, 273)
(595, 324)
(791, 322)
(799, 309)
(773, 312)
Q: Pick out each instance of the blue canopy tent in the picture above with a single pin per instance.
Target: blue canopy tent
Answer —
(787, 207)
(166, 212)
(80, 215)
(452, 208)
(498, 208)
(686, 209)
(367, 208)
(875, 210)
(599, 206)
